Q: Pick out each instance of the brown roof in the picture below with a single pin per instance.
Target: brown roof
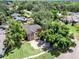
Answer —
(31, 28)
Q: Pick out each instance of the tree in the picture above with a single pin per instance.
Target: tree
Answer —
(57, 35)
(14, 35)
(55, 14)
(29, 6)
(43, 17)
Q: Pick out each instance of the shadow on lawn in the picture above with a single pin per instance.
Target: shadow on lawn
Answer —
(56, 52)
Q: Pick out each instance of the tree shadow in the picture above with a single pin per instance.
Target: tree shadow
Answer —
(54, 51)
(70, 50)
(57, 52)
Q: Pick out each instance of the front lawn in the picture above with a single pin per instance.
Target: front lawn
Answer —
(24, 51)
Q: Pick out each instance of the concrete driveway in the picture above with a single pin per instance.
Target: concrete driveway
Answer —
(72, 55)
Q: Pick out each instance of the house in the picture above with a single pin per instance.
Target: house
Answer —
(31, 31)
(19, 17)
(15, 14)
(71, 17)
(77, 14)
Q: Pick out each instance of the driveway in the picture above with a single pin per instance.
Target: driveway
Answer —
(72, 55)
(2, 38)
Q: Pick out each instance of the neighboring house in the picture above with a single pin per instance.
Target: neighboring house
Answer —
(72, 17)
(31, 31)
(77, 14)
(15, 14)
(70, 13)
(19, 17)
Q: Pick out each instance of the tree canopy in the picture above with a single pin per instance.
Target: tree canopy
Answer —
(14, 35)
(57, 35)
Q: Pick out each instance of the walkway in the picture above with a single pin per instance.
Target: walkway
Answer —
(72, 55)
(36, 55)
(2, 37)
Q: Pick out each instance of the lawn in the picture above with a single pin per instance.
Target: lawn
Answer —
(72, 29)
(45, 56)
(24, 51)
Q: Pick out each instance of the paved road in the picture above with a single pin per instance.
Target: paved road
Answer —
(73, 55)
(2, 38)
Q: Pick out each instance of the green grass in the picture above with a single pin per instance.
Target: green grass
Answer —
(45, 56)
(72, 29)
(24, 51)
